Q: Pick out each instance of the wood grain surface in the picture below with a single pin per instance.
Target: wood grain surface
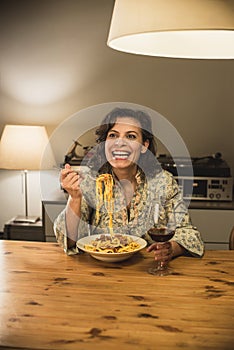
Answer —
(49, 300)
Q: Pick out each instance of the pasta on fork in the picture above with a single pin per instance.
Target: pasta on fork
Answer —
(104, 196)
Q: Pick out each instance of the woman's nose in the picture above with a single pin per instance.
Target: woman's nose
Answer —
(120, 141)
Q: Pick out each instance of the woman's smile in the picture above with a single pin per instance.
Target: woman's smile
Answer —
(120, 155)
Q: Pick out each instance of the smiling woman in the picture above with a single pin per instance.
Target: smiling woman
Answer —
(126, 154)
(124, 137)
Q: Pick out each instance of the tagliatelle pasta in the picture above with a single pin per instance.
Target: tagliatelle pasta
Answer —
(116, 244)
(113, 243)
(104, 195)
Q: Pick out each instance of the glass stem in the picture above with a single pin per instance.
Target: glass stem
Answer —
(161, 265)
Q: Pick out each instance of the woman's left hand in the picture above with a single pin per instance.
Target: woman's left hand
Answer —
(163, 252)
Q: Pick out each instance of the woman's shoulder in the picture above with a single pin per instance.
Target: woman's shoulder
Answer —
(164, 175)
(163, 180)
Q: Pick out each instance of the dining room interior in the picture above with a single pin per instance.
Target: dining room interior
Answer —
(64, 65)
(55, 63)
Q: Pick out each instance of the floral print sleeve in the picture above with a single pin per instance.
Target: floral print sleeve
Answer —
(61, 232)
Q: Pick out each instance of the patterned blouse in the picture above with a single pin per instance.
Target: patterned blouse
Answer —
(154, 202)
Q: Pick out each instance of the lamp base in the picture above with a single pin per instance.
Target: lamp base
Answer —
(26, 219)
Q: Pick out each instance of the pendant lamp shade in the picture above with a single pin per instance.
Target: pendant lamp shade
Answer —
(194, 29)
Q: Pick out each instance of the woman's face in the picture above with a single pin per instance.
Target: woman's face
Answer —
(124, 143)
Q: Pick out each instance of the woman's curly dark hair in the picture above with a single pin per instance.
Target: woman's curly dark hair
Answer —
(147, 161)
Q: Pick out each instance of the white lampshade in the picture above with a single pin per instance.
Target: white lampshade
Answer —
(195, 29)
(22, 147)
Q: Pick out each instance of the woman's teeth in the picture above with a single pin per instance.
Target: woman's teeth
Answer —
(120, 155)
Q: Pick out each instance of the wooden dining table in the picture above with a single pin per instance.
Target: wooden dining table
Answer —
(49, 300)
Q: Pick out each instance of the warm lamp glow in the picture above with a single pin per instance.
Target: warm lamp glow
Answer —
(22, 147)
(200, 29)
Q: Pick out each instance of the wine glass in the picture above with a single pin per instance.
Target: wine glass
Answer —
(162, 234)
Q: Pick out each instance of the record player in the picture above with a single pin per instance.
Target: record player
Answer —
(209, 177)
(78, 155)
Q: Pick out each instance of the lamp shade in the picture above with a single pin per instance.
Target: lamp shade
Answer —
(195, 29)
(22, 147)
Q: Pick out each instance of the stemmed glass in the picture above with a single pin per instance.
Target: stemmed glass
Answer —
(162, 234)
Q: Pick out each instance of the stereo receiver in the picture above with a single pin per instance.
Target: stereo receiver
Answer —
(208, 178)
(206, 188)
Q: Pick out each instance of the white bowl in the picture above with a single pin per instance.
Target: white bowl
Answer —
(110, 257)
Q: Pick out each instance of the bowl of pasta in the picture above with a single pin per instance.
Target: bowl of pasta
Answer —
(111, 248)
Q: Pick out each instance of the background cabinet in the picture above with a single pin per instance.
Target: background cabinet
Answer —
(215, 226)
(50, 210)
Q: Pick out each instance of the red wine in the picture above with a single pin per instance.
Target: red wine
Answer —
(160, 235)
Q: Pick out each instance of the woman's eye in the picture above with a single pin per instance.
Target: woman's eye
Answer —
(111, 135)
(131, 136)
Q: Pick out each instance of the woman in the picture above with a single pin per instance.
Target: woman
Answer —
(144, 194)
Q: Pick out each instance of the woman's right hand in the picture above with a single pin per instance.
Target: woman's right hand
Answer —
(70, 182)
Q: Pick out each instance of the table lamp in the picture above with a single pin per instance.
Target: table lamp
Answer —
(21, 148)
